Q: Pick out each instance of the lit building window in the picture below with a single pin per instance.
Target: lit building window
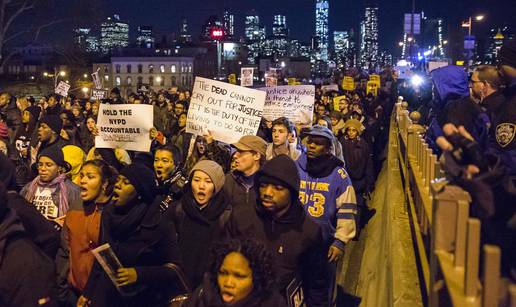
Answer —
(106, 77)
(162, 68)
(173, 68)
(129, 81)
(151, 69)
(118, 81)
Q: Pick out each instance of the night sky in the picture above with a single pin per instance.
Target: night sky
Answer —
(165, 15)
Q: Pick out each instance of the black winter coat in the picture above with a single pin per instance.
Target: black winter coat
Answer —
(240, 190)
(26, 274)
(146, 243)
(197, 230)
(296, 244)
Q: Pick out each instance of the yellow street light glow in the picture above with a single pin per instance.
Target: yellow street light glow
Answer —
(62, 73)
(45, 74)
(479, 17)
(85, 90)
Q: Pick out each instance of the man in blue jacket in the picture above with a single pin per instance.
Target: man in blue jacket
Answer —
(327, 194)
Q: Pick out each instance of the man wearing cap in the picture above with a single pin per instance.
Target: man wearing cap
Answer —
(279, 221)
(327, 194)
(250, 156)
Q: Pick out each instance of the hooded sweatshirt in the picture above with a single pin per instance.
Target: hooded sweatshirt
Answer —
(294, 239)
(328, 197)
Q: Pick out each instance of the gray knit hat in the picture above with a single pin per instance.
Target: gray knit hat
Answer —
(213, 170)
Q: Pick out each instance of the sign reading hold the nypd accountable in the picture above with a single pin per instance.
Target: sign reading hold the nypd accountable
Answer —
(293, 102)
(227, 111)
(246, 76)
(62, 88)
(125, 126)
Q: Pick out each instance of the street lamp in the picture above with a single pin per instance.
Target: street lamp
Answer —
(470, 22)
(62, 73)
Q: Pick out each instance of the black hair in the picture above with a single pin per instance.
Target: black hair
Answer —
(108, 173)
(284, 122)
(176, 153)
(255, 252)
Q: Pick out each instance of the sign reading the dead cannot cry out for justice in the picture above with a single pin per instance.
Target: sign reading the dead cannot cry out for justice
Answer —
(228, 111)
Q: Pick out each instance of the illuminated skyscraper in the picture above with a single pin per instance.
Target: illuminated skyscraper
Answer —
(255, 36)
(85, 40)
(228, 22)
(369, 37)
(340, 47)
(184, 36)
(321, 29)
(113, 34)
(279, 27)
(145, 38)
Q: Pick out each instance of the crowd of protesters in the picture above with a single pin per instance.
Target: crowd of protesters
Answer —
(211, 223)
(228, 224)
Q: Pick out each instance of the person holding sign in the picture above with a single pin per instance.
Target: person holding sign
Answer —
(241, 274)
(52, 192)
(144, 243)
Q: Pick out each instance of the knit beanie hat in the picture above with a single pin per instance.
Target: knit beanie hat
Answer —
(55, 154)
(213, 170)
(54, 122)
(280, 170)
(355, 123)
(4, 132)
(142, 178)
(507, 54)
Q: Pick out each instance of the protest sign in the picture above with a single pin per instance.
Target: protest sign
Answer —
(62, 88)
(337, 100)
(246, 76)
(97, 80)
(98, 94)
(434, 65)
(348, 84)
(232, 79)
(227, 111)
(271, 81)
(375, 79)
(329, 88)
(125, 126)
(293, 102)
(372, 87)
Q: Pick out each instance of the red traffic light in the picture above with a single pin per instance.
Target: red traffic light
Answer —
(217, 33)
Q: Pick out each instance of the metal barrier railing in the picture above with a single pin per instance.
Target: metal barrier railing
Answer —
(447, 239)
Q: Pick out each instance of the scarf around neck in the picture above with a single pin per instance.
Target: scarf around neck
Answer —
(58, 183)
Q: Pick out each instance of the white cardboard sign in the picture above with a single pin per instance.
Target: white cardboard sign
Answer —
(295, 102)
(246, 76)
(125, 126)
(228, 111)
(62, 88)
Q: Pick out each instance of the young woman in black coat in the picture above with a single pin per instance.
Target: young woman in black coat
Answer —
(199, 217)
(240, 275)
(144, 243)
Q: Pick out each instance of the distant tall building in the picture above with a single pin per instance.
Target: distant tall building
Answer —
(432, 36)
(279, 27)
(85, 40)
(184, 35)
(255, 36)
(369, 37)
(340, 47)
(145, 38)
(321, 29)
(228, 22)
(497, 37)
(113, 34)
